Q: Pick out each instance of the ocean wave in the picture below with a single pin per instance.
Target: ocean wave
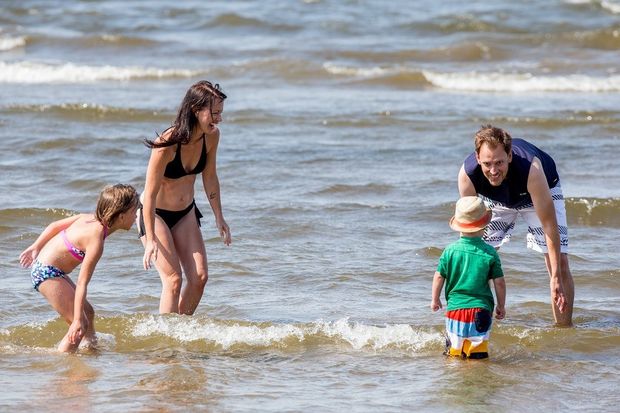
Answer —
(36, 73)
(524, 82)
(579, 210)
(370, 188)
(91, 112)
(231, 334)
(464, 51)
(237, 20)
(461, 23)
(399, 76)
(594, 211)
(107, 39)
(356, 71)
(611, 6)
(8, 43)
(607, 5)
(557, 119)
(46, 214)
(203, 334)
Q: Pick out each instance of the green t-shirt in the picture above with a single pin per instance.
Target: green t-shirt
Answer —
(467, 266)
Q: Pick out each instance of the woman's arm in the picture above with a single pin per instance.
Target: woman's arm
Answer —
(154, 175)
(211, 186)
(27, 257)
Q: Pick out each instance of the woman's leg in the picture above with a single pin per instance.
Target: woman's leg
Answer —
(193, 256)
(168, 267)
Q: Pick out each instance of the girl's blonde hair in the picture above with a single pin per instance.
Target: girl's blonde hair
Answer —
(113, 201)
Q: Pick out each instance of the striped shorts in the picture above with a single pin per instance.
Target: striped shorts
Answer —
(462, 335)
(499, 230)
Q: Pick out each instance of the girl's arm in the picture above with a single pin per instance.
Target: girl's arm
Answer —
(79, 325)
(211, 186)
(500, 295)
(27, 257)
(438, 281)
(154, 176)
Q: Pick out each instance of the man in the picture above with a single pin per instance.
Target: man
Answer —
(515, 178)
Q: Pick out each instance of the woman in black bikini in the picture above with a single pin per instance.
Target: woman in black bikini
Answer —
(169, 222)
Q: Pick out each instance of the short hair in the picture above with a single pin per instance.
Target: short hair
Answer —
(493, 137)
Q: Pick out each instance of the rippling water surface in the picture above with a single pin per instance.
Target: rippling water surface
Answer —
(345, 127)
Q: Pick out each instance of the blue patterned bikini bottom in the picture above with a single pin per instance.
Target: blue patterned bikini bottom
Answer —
(41, 272)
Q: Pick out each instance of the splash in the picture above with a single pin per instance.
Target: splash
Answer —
(229, 334)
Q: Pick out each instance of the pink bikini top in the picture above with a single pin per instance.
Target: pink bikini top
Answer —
(76, 252)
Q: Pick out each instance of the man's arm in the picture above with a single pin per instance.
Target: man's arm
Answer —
(538, 188)
(466, 186)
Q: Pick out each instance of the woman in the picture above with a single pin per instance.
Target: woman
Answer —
(169, 221)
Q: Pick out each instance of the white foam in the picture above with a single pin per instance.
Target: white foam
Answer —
(526, 82)
(187, 330)
(104, 340)
(226, 335)
(611, 6)
(33, 72)
(8, 43)
(354, 71)
(362, 336)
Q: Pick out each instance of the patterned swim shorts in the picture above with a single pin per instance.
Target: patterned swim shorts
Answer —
(41, 272)
(467, 332)
(499, 230)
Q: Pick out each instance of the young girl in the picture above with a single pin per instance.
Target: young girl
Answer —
(66, 243)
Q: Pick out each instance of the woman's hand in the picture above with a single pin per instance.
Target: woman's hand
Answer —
(222, 227)
(150, 253)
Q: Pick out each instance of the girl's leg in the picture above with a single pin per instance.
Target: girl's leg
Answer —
(90, 338)
(60, 293)
(193, 256)
(169, 269)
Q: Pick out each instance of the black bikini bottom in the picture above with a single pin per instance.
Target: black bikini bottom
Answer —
(171, 218)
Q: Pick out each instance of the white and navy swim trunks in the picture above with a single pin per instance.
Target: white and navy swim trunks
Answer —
(499, 230)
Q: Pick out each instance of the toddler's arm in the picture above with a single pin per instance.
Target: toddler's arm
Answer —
(438, 281)
(500, 294)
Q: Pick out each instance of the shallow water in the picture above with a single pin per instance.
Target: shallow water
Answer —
(343, 133)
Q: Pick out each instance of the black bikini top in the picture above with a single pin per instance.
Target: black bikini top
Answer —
(175, 170)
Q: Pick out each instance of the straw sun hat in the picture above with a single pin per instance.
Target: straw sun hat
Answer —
(471, 215)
